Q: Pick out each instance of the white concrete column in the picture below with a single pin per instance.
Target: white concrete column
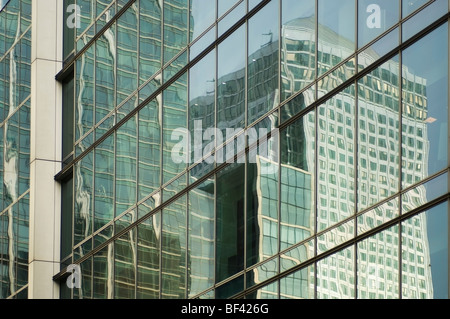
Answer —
(45, 159)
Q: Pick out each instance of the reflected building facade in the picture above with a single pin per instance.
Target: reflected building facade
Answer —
(345, 196)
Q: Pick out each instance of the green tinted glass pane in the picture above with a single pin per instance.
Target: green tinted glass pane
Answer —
(175, 133)
(104, 183)
(104, 75)
(335, 159)
(126, 165)
(127, 46)
(298, 49)
(201, 238)
(262, 71)
(375, 17)
(262, 206)
(297, 181)
(175, 27)
(231, 82)
(336, 275)
(125, 267)
(336, 32)
(298, 285)
(103, 275)
(83, 177)
(425, 107)
(149, 149)
(201, 104)
(378, 134)
(202, 15)
(84, 97)
(378, 266)
(230, 221)
(148, 254)
(149, 39)
(174, 266)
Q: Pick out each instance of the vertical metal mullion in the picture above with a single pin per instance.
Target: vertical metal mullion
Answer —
(355, 153)
(280, 17)
(356, 176)
(400, 179)
(138, 17)
(186, 281)
(216, 59)
(316, 121)
(161, 155)
(246, 166)
(448, 148)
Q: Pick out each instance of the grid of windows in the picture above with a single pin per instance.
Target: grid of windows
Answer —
(341, 205)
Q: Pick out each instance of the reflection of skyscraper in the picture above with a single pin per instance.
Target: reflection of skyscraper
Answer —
(350, 201)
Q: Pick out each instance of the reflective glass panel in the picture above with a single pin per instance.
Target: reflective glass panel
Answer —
(298, 45)
(336, 275)
(231, 81)
(201, 104)
(375, 17)
(201, 238)
(378, 134)
(125, 265)
(425, 107)
(262, 70)
(230, 221)
(175, 133)
(127, 55)
(378, 265)
(103, 273)
(83, 178)
(105, 74)
(149, 39)
(104, 183)
(126, 165)
(175, 27)
(299, 285)
(336, 32)
(148, 239)
(149, 149)
(297, 181)
(335, 159)
(173, 250)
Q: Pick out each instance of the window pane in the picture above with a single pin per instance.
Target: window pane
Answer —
(149, 39)
(297, 181)
(149, 149)
(104, 183)
(336, 171)
(126, 166)
(378, 266)
(336, 275)
(231, 82)
(375, 17)
(262, 205)
(201, 238)
(298, 45)
(263, 61)
(175, 133)
(378, 134)
(127, 46)
(148, 233)
(336, 32)
(230, 221)
(425, 107)
(174, 250)
(299, 285)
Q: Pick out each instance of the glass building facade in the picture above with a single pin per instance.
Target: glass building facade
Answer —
(252, 149)
(15, 90)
